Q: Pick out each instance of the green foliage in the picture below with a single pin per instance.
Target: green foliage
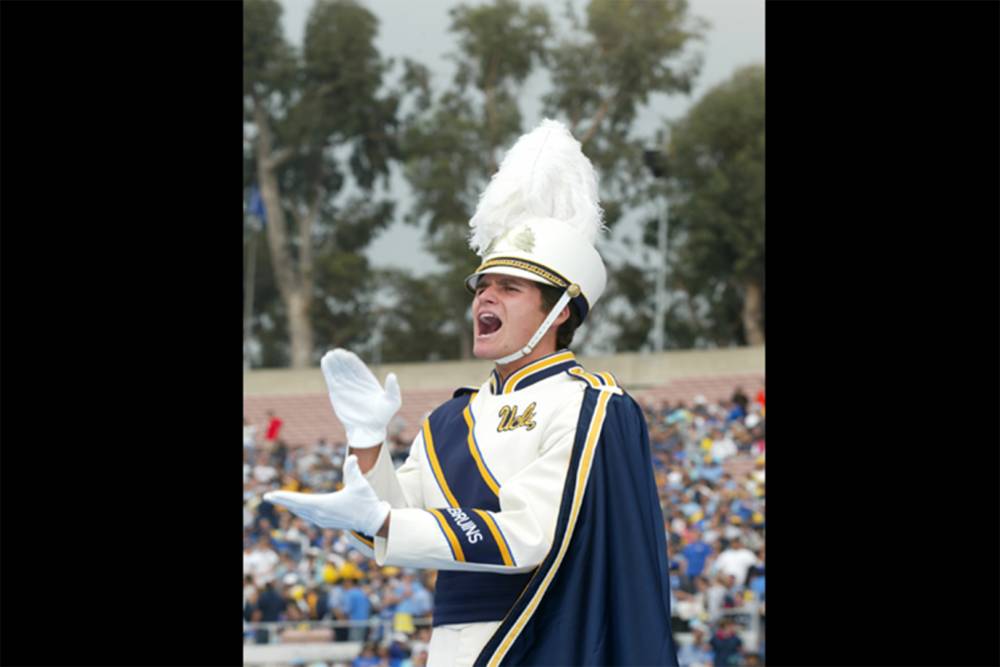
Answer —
(601, 75)
(269, 317)
(452, 145)
(268, 61)
(331, 134)
(499, 43)
(337, 126)
(717, 158)
(607, 68)
(636, 286)
(337, 102)
(716, 175)
(419, 326)
(717, 154)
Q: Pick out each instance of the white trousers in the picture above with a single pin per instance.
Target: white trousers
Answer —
(458, 645)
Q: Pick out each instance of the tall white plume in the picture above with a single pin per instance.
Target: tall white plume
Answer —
(544, 175)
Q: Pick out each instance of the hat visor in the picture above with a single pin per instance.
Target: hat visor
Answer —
(473, 280)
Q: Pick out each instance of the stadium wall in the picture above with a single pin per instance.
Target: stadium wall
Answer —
(637, 370)
(299, 396)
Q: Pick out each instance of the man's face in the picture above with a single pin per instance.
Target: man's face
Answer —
(506, 311)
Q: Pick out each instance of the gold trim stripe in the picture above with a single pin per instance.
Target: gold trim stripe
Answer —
(497, 536)
(511, 385)
(456, 548)
(608, 378)
(474, 450)
(436, 466)
(592, 380)
(530, 267)
(368, 543)
(583, 473)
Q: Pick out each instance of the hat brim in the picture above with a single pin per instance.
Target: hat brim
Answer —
(579, 302)
(473, 280)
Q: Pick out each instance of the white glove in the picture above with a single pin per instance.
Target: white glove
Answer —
(355, 507)
(361, 405)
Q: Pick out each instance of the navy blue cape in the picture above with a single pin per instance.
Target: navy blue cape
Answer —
(602, 594)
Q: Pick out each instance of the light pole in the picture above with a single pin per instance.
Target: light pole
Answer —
(656, 161)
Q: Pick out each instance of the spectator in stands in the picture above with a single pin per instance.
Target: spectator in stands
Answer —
(247, 556)
(270, 605)
(286, 567)
(715, 596)
(736, 560)
(722, 446)
(398, 651)
(756, 584)
(742, 437)
(262, 562)
(698, 653)
(726, 644)
(309, 569)
(720, 507)
(357, 608)
(740, 399)
(335, 604)
(741, 506)
(710, 470)
(697, 603)
(249, 439)
(734, 414)
(304, 463)
(273, 428)
(264, 472)
(250, 595)
(733, 596)
(262, 527)
(414, 601)
(279, 456)
(292, 611)
(367, 657)
(420, 642)
(695, 553)
(753, 540)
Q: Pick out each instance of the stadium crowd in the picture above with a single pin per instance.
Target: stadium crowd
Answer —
(708, 460)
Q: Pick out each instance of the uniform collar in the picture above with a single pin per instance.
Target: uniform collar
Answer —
(538, 370)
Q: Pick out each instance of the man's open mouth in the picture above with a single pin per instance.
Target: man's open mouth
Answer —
(488, 324)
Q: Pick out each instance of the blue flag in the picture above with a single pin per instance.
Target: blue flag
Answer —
(257, 206)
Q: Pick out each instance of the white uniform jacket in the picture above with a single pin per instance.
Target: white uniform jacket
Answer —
(481, 487)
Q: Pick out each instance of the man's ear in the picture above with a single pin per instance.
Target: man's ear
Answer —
(562, 316)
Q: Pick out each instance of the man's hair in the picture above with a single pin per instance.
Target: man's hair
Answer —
(564, 335)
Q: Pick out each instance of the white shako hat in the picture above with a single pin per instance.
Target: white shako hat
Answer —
(538, 219)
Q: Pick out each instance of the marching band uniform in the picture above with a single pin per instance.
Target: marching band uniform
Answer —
(532, 496)
(481, 505)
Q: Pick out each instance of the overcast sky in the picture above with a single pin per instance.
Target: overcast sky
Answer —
(419, 30)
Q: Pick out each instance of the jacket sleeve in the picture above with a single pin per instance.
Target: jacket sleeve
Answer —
(512, 540)
(400, 488)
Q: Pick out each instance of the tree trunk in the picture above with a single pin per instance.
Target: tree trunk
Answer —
(294, 286)
(753, 313)
(299, 329)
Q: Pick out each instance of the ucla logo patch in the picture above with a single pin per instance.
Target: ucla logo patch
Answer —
(510, 420)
